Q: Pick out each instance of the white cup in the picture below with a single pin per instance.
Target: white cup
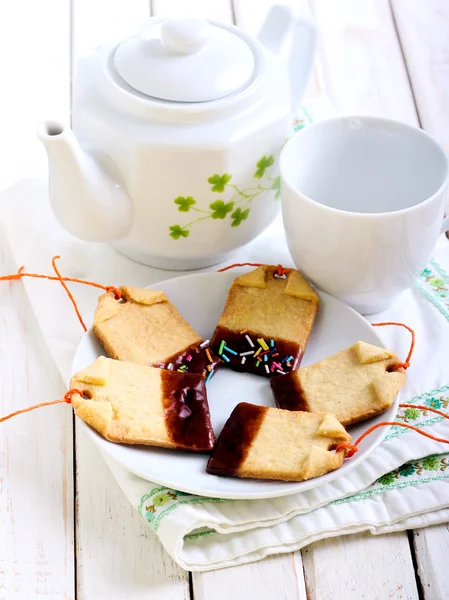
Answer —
(363, 204)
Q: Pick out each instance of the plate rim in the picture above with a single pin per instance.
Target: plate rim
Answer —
(102, 444)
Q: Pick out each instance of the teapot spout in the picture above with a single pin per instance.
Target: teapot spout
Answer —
(85, 200)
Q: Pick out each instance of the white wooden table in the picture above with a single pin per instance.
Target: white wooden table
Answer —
(66, 530)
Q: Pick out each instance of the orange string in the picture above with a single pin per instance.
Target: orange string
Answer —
(240, 265)
(69, 293)
(67, 398)
(280, 269)
(353, 448)
(406, 364)
(20, 274)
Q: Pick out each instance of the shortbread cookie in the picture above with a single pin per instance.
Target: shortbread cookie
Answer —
(145, 328)
(133, 404)
(268, 443)
(354, 384)
(266, 322)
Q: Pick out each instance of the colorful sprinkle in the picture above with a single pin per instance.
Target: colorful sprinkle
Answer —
(204, 373)
(246, 353)
(209, 376)
(220, 349)
(209, 355)
(231, 351)
(290, 358)
(272, 343)
(265, 358)
(277, 365)
(181, 370)
(285, 359)
(170, 366)
(205, 343)
(209, 368)
(243, 331)
(189, 358)
(267, 369)
(257, 352)
(226, 358)
(273, 366)
(289, 364)
(257, 363)
(243, 360)
(263, 343)
(280, 372)
(275, 354)
(250, 341)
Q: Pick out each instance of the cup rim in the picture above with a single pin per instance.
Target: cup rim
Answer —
(366, 118)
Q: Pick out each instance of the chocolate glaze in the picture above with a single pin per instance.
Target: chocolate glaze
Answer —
(238, 342)
(199, 361)
(187, 411)
(235, 439)
(288, 392)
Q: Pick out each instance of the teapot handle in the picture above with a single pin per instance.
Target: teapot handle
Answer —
(281, 23)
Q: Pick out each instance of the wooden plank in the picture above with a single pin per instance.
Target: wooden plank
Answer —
(423, 33)
(423, 30)
(36, 475)
(364, 71)
(117, 555)
(360, 566)
(36, 463)
(359, 64)
(432, 555)
(276, 577)
(93, 23)
(34, 45)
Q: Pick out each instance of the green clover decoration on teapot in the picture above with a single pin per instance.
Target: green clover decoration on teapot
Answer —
(237, 208)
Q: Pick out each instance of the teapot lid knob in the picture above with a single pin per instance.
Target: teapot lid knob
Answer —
(186, 36)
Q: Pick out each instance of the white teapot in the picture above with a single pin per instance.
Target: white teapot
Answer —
(177, 131)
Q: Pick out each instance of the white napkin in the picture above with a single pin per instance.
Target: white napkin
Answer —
(403, 483)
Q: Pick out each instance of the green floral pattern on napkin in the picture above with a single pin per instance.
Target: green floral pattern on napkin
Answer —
(434, 284)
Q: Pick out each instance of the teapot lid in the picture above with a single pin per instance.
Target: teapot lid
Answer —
(185, 60)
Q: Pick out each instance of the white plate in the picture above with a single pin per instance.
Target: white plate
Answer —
(200, 299)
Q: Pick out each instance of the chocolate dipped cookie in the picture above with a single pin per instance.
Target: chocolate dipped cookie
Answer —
(144, 327)
(353, 384)
(269, 443)
(266, 322)
(135, 404)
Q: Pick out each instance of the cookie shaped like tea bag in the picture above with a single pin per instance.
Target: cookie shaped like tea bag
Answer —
(353, 384)
(145, 328)
(268, 443)
(129, 403)
(266, 322)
